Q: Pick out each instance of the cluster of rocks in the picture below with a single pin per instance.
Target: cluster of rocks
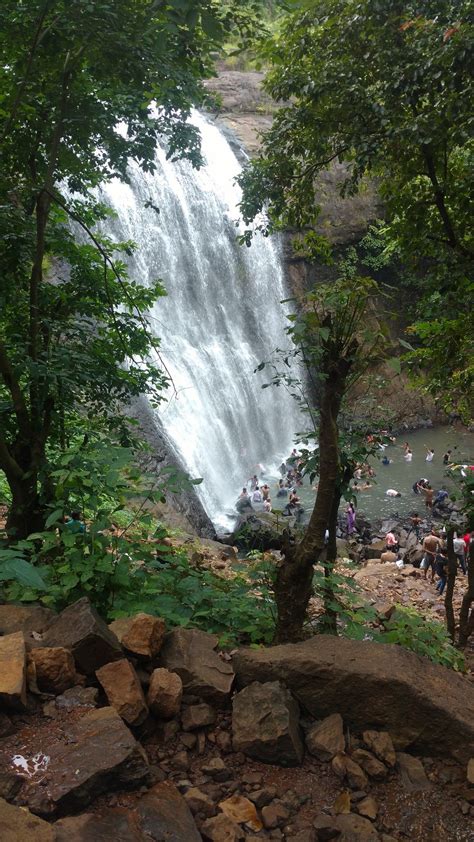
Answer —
(163, 719)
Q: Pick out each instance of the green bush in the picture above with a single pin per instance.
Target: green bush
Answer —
(408, 628)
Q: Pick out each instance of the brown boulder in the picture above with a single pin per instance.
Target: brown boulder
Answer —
(197, 716)
(114, 825)
(374, 686)
(124, 691)
(326, 738)
(199, 802)
(142, 635)
(24, 618)
(13, 670)
(265, 724)
(100, 755)
(160, 815)
(412, 773)
(164, 815)
(241, 811)
(165, 692)
(222, 829)
(380, 743)
(53, 668)
(354, 828)
(80, 629)
(19, 825)
(371, 766)
(190, 653)
(470, 771)
(348, 769)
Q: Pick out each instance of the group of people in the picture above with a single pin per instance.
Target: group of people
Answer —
(435, 555)
(257, 497)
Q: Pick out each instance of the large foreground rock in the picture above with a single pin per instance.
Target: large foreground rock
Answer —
(265, 724)
(373, 686)
(53, 669)
(18, 825)
(162, 815)
(101, 755)
(124, 691)
(191, 654)
(13, 670)
(141, 635)
(25, 618)
(80, 629)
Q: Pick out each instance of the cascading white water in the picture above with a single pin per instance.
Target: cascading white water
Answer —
(221, 318)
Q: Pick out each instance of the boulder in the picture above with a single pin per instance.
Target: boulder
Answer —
(412, 773)
(164, 815)
(165, 692)
(470, 771)
(191, 654)
(348, 769)
(24, 618)
(368, 808)
(380, 743)
(222, 829)
(19, 825)
(77, 697)
(199, 802)
(274, 815)
(373, 767)
(13, 670)
(326, 738)
(124, 691)
(197, 716)
(99, 755)
(53, 668)
(90, 827)
(265, 724)
(141, 635)
(241, 811)
(80, 629)
(354, 828)
(374, 686)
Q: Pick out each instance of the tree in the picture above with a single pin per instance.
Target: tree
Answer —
(78, 82)
(406, 121)
(336, 341)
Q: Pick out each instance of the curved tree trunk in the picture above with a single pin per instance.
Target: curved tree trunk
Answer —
(293, 586)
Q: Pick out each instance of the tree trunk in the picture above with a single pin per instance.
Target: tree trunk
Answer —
(293, 585)
(448, 600)
(26, 515)
(466, 621)
(330, 613)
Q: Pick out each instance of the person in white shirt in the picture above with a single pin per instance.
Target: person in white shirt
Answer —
(257, 495)
(429, 454)
(408, 455)
(391, 492)
(460, 552)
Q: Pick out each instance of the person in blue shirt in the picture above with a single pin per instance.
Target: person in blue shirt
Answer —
(75, 524)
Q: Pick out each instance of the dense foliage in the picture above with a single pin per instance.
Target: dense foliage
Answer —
(385, 87)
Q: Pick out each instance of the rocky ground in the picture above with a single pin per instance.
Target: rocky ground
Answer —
(130, 732)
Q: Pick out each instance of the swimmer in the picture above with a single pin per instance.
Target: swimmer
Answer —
(391, 492)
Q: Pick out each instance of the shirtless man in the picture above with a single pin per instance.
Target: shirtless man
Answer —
(430, 547)
(429, 494)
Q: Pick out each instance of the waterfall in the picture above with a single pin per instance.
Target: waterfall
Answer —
(222, 316)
